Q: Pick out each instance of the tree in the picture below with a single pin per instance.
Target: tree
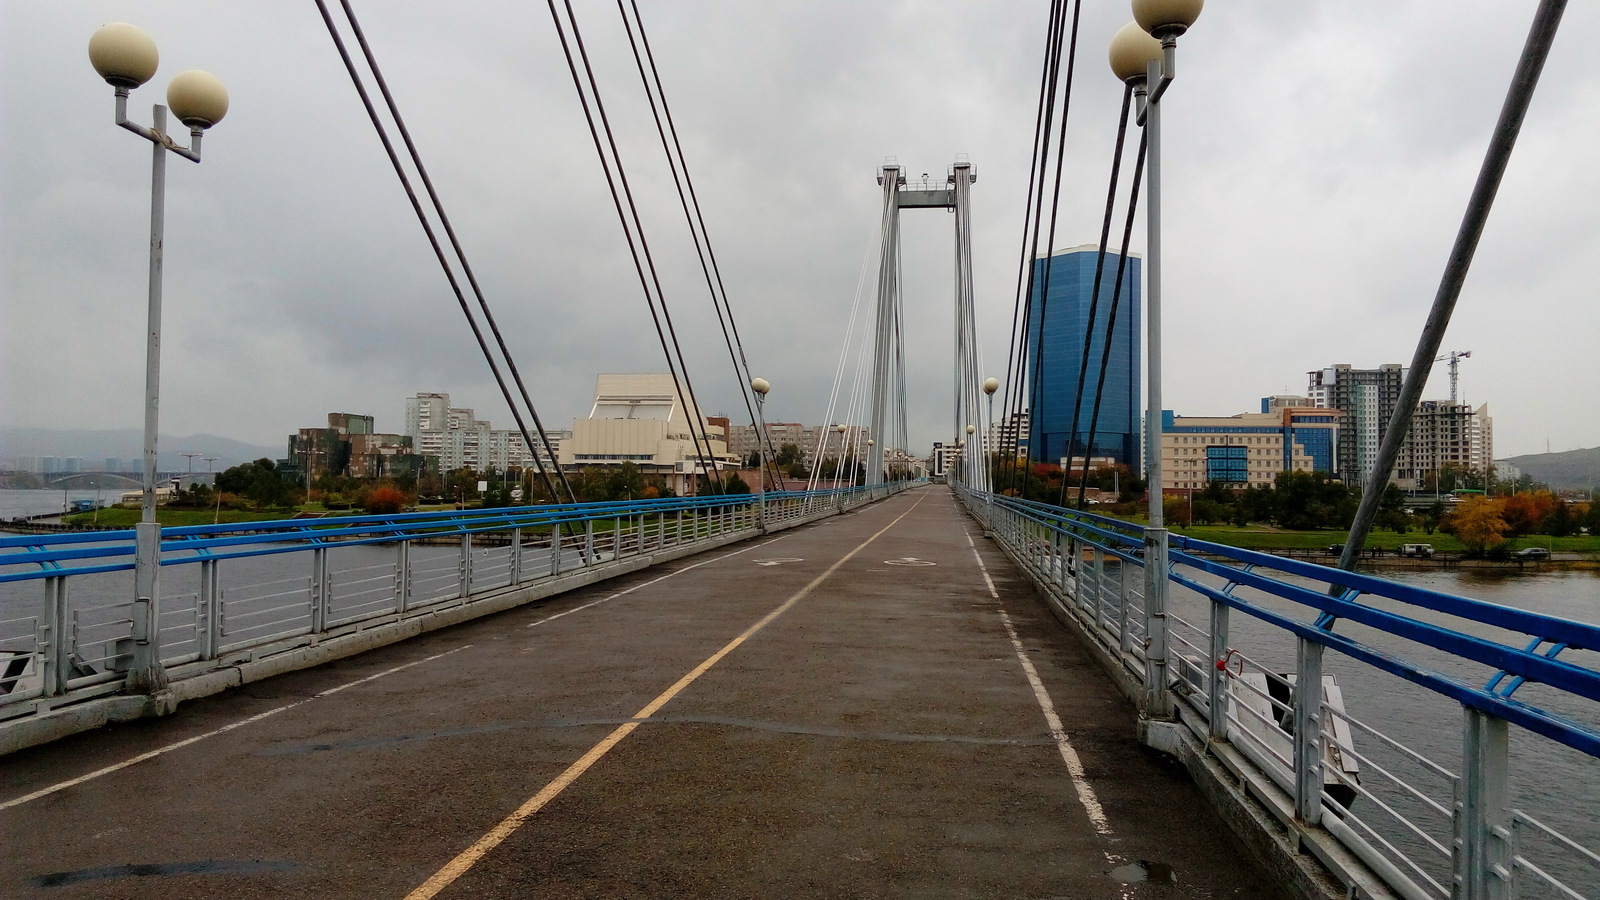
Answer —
(1525, 513)
(1478, 524)
(1307, 500)
(626, 482)
(789, 454)
(1560, 521)
(261, 482)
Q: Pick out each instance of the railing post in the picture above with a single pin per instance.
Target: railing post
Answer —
(555, 548)
(1483, 812)
(1308, 731)
(1099, 576)
(1125, 602)
(464, 567)
(402, 577)
(679, 539)
(1059, 574)
(209, 632)
(58, 642)
(588, 542)
(145, 672)
(319, 589)
(1218, 729)
(516, 556)
(1156, 703)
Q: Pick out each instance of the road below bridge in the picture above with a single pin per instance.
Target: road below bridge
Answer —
(850, 709)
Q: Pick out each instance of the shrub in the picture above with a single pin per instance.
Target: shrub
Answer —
(385, 499)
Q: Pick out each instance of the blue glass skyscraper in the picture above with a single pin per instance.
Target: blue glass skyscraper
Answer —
(1058, 329)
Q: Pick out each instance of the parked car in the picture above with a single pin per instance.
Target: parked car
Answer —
(1533, 553)
(1420, 551)
(1335, 548)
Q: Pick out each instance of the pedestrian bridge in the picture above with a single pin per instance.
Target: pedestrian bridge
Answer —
(854, 693)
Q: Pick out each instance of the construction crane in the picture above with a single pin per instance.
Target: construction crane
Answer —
(1455, 357)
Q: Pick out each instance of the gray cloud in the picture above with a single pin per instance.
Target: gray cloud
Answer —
(1318, 160)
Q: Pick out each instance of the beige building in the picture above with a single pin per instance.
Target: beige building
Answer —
(1246, 450)
(637, 418)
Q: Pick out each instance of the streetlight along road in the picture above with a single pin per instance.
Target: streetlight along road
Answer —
(126, 58)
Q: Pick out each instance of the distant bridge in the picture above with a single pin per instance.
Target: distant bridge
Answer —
(83, 481)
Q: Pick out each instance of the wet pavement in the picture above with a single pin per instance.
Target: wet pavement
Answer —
(842, 710)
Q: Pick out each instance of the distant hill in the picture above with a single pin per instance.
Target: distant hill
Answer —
(127, 443)
(1573, 470)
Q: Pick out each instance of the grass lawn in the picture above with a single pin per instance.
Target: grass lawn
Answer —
(127, 518)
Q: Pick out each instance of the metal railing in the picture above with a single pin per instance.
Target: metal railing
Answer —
(1435, 804)
(247, 591)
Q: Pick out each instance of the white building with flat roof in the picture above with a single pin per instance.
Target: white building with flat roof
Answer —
(638, 418)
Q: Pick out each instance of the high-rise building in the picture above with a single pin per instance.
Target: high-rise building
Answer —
(811, 439)
(1441, 434)
(457, 439)
(1010, 436)
(1444, 435)
(1367, 397)
(1058, 330)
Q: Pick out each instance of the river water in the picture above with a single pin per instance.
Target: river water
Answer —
(23, 503)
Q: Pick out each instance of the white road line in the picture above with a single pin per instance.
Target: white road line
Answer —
(1086, 794)
(44, 792)
(636, 587)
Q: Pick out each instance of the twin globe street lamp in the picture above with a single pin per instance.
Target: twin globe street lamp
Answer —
(1143, 55)
(126, 58)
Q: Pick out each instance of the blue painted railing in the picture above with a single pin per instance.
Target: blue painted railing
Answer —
(67, 608)
(1339, 777)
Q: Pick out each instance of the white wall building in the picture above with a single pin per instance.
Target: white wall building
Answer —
(637, 418)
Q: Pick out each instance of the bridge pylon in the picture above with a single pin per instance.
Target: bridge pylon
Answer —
(888, 356)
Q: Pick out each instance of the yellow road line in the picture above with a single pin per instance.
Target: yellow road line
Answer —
(470, 856)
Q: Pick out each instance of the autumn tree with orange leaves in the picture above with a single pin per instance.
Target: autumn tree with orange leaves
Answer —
(1479, 523)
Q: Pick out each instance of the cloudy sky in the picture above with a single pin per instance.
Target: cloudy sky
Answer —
(1319, 156)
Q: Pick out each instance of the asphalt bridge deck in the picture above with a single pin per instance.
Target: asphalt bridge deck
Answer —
(875, 733)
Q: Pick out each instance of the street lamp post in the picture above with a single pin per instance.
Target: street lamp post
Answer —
(969, 476)
(126, 58)
(990, 385)
(1143, 55)
(761, 386)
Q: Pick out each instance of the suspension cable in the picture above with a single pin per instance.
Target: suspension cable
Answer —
(433, 240)
(673, 150)
(1016, 369)
(1037, 405)
(685, 397)
(1111, 317)
(1094, 293)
